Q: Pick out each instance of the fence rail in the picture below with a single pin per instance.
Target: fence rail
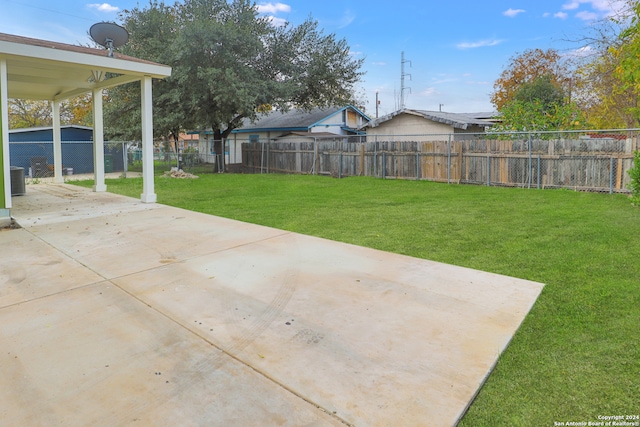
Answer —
(583, 161)
(586, 161)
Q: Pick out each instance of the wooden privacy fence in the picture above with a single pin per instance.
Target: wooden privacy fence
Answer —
(582, 163)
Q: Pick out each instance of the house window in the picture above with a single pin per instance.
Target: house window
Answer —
(254, 138)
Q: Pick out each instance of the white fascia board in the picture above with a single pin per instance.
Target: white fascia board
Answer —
(84, 60)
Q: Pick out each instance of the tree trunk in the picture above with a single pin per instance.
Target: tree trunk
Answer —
(178, 156)
(218, 148)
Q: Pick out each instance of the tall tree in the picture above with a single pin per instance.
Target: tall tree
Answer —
(228, 63)
(542, 89)
(527, 67)
(27, 114)
(601, 94)
(78, 111)
(597, 87)
(540, 105)
(152, 33)
(37, 113)
(627, 54)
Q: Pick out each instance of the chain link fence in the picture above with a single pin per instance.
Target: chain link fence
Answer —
(36, 157)
(579, 160)
(188, 161)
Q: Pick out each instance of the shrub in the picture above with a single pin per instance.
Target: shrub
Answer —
(634, 173)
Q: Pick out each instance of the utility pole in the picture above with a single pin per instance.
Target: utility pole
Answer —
(402, 74)
(377, 104)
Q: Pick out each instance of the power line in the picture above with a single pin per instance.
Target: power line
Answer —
(49, 10)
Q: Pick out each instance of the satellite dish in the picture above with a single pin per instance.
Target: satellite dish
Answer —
(109, 35)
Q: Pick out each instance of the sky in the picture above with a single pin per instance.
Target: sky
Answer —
(453, 51)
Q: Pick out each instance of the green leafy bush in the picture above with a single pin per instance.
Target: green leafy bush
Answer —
(634, 185)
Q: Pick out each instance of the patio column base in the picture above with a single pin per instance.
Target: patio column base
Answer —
(149, 198)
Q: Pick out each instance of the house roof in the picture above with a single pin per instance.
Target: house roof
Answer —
(485, 115)
(457, 120)
(313, 134)
(49, 128)
(40, 69)
(292, 120)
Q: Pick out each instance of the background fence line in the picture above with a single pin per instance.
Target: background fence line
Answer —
(585, 161)
(36, 157)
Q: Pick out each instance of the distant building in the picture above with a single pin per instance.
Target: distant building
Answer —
(427, 125)
(32, 149)
(293, 125)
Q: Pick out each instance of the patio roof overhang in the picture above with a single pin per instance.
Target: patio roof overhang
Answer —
(39, 69)
(36, 69)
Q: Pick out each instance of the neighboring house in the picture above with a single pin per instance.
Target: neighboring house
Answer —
(188, 141)
(309, 137)
(32, 149)
(427, 125)
(293, 125)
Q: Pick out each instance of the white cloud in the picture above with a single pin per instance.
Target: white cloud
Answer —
(382, 64)
(608, 6)
(580, 53)
(587, 16)
(605, 8)
(560, 15)
(277, 22)
(481, 43)
(103, 7)
(513, 12)
(571, 5)
(273, 8)
(347, 19)
(430, 91)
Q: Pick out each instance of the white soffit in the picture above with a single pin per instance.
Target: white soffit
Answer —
(46, 70)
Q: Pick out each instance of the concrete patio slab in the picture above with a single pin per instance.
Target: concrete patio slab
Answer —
(96, 356)
(250, 325)
(32, 269)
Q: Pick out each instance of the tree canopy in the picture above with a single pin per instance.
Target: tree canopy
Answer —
(35, 113)
(544, 90)
(533, 93)
(525, 68)
(540, 105)
(228, 63)
(627, 64)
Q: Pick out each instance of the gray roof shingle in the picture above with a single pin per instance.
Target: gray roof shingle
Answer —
(457, 120)
(289, 120)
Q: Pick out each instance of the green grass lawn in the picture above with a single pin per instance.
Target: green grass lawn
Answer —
(577, 354)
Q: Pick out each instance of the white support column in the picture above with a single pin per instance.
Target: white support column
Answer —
(98, 142)
(5, 168)
(148, 190)
(57, 143)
